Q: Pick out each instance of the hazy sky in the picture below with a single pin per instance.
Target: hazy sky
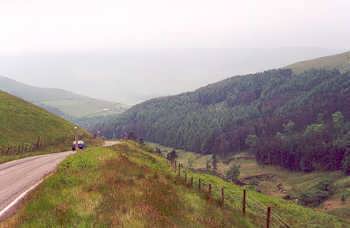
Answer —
(72, 27)
(52, 25)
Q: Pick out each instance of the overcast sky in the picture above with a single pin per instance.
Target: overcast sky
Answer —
(51, 25)
(71, 27)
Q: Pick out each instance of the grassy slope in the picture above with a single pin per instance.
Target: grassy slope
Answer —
(80, 106)
(22, 122)
(71, 104)
(339, 61)
(121, 187)
(293, 183)
(129, 186)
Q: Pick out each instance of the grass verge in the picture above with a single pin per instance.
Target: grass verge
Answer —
(122, 186)
(47, 150)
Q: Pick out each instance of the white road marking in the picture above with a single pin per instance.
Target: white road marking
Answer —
(28, 160)
(21, 196)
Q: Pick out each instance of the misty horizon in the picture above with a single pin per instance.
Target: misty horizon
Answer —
(134, 76)
(130, 51)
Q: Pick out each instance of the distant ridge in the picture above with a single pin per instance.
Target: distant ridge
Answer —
(339, 61)
(60, 102)
(231, 115)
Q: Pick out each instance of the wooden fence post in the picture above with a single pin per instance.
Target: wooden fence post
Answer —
(244, 201)
(199, 184)
(268, 217)
(179, 169)
(175, 166)
(191, 182)
(185, 178)
(209, 191)
(222, 196)
(38, 142)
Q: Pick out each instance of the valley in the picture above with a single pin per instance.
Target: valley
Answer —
(71, 106)
(174, 114)
(274, 114)
(276, 181)
(280, 136)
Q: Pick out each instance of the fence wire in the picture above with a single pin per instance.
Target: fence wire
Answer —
(233, 197)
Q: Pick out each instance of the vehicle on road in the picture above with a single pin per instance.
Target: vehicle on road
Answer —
(80, 145)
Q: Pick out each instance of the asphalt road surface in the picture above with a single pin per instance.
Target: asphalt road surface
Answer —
(19, 177)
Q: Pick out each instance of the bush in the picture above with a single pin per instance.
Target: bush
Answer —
(233, 173)
(315, 195)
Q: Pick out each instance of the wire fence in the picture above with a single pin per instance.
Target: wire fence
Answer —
(38, 144)
(240, 200)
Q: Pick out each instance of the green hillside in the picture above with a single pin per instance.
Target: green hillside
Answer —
(219, 118)
(60, 102)
(339, 61)
(129, 185)
(23, 123)
(305, 187)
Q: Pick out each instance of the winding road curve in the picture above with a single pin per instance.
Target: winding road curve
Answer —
(19, 177)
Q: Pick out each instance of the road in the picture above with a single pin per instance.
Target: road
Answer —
(19, 177)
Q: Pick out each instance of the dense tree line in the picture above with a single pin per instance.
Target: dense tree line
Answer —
(323, 144)
(218, 118)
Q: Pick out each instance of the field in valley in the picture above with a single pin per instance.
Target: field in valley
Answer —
(279, 182)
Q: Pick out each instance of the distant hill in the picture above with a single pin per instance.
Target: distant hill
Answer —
(63, 103)
(22, 122)
(219, 118)
(339, 61)
(118, 73)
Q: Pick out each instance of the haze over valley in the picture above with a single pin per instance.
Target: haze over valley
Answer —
(130, 76)
(187, 113)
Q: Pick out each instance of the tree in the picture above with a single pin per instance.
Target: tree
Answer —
(208, 166)
(346, 164)
(157, 150)
(214, 162)
(338, 122)
(314, 131)
(252, 142)
(343, 197)
(233, 173)
(172, 156)
(131, 135)
(289, 127)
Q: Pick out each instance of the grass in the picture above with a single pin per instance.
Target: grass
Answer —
(22, 122)
(64, 102)
(47, 150)
(294, 184)
(283, 211)
(79, 107)
(123, 186)
(339, 61)
(129, 186)
(56, 148)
